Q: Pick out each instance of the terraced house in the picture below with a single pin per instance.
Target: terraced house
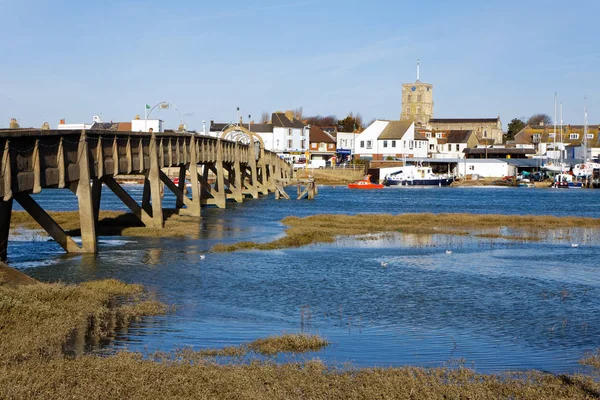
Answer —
(571, 141)
(390, 139)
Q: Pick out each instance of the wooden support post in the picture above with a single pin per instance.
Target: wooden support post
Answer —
(96, 197)
(46, 222)
(194, 208)
(253, 171)
(146, 196)
(60, 160)
(181, 186)
(155, 185)
(5, 214)
(7, 171)
(264, 185)
(138, 211)
(87, 221)
(219, 193)
(37, 170)
(237, 176)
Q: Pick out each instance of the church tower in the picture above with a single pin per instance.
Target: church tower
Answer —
(417, 101)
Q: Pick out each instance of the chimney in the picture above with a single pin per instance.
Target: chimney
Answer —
(62, 121)
(14, 124)
(46, 126)
(241, 120)
(289, 115)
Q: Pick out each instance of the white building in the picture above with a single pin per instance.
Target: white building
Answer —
(284, 134)
(141, 125)
(64, 126)
(395, 139)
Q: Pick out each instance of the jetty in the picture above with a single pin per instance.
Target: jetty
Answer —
(33, 160)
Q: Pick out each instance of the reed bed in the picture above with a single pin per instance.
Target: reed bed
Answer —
(40, 321)
(325, 228)
(130, 376)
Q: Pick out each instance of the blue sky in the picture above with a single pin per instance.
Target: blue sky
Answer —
(75, 59)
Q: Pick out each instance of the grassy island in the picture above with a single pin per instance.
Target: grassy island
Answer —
(325, 228)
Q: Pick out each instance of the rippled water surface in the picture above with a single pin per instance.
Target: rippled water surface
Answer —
(496, 304)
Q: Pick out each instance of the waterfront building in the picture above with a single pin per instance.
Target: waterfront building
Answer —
(345, 145)
(385, 139)
(484, 128)
(451, 144)
(322, 144)
(284, 134)
(570, 142)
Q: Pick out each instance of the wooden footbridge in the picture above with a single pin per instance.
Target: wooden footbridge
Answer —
(82, 161)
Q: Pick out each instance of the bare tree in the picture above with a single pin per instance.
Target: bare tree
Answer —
(538, 119)
(322, 122)
(298, 113)
(264, 117)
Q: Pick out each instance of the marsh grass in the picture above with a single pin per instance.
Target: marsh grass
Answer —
(130, 376)
(592, 359)
(38, 320)
(325, 228)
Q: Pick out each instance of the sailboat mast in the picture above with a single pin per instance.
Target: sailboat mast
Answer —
(554, 126)
(561, 131)
(585, 130)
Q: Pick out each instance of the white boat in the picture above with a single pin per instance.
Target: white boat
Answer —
(411, 175)
(566, 181)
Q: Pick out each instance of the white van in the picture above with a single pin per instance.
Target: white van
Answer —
(317, 164)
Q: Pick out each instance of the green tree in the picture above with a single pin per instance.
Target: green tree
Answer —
(351, 123)
(515, 126)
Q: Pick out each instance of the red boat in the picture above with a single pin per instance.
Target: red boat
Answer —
(365, 183)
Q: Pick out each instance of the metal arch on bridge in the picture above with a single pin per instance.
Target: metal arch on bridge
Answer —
(82, 161)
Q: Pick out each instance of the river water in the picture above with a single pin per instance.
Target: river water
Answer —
(493, 304)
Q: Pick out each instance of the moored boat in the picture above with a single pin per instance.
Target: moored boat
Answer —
(565, 181)
(411, 175)
(365, 183)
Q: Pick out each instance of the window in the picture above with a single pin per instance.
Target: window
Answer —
(431, 147)
(404, 143)
(471, 168)
(277, 143)
(410, 144)
(410, 98)
(303, 144)
(369, 144)
(438, 135)
(551, 135)
(289, 131)
(408, 110)
(385, 143)
(362, 143)
(457, 146)
(574, 136)
(419, 99)
(290, 144)
(393, 143)
(418, 110)
(590, 136)
(484, 132)
(428, 134)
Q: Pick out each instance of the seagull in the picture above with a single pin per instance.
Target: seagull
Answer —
(202, 256)
(448, 251)
(574, 244)
(384, 264)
